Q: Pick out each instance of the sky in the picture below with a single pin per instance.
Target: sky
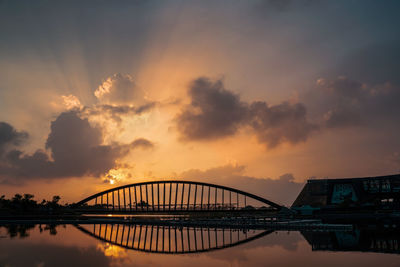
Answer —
(260, 95)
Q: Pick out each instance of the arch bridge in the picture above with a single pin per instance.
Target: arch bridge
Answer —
(173, 196)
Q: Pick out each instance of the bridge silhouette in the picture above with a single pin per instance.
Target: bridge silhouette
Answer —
(174, 196)
(174, 233)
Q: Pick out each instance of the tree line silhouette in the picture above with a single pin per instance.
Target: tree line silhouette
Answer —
(25, 204)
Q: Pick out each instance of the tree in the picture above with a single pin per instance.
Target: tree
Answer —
(28, 197)
(17, 198)
(56, 199)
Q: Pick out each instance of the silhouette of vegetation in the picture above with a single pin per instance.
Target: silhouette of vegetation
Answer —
(25, 204)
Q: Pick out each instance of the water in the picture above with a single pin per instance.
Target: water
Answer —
(135, 245)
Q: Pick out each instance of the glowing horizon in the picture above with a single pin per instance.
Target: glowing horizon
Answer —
(230, 92)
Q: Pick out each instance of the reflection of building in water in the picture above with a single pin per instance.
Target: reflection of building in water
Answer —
(381, 192)
(382, 241)
(171, 239)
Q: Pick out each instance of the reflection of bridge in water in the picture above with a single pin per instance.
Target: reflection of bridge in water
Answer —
(173, 197)
(204, 217)
(171, 239)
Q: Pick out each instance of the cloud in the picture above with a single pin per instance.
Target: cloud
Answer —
(282, 191)
(280, 123)
(243, 255)
(116, 112)
(76, 150)
(76, 147)
(215, 112)
(347, 103)
(71, 102)
(343, 98)
(142, 143)
(118, 98)
(10, 137)
(376, 62)
(119, 89)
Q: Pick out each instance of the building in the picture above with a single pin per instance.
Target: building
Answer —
(369, 193)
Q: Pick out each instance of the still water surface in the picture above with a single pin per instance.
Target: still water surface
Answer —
(118, 245)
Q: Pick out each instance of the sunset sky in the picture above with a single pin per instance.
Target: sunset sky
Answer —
(258, 95)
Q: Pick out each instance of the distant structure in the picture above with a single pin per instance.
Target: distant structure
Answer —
(376, 193)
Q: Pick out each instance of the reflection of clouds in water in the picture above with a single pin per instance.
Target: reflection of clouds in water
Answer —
(276, 249)
(288, 241)
(115, 252)
(39, 254)
(240, 254)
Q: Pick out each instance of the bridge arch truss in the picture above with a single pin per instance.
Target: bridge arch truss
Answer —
(174, 196)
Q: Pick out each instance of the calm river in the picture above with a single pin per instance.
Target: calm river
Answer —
(135, 245)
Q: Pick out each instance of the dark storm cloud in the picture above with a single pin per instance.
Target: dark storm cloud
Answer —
(76, 150)
(10, 136)
(282, 191)
(215, 112)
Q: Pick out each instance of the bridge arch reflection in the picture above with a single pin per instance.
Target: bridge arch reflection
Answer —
(171, 239)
